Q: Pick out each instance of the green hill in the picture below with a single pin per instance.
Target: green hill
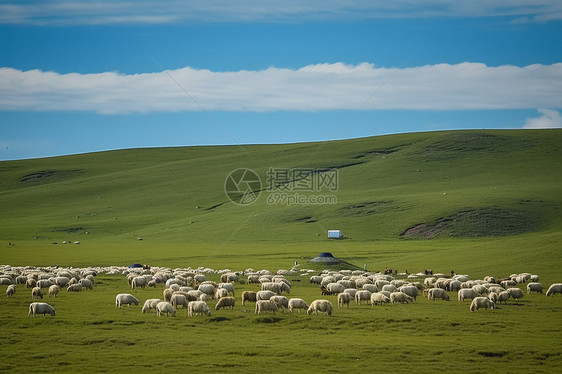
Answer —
(408, 201)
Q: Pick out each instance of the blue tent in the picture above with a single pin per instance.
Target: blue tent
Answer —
(135, 266)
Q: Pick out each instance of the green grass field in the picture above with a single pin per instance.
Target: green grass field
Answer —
(479, 202)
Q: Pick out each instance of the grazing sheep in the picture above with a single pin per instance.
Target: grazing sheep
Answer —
(281, 301)
(437, 293)
(11, 290)
(40, 308)
(125, 299)
(534, 278)
(554, 289)
(138, 282)
(323, 306)
(351, 291)
(343, 298)
(534, 287)
(496, 289)
(362, 295)
(264, 295)
(54, 290)
(467, 293)
(198, 307)
(389, 288)
(62, 281)
(86, 283)
(493, 296)
(503, 296)
(225, 302)
(315, 279)
(379, 298)
(30, 283)
(77, 287)
(221, 292)
(400, 297)
(265, 305)
(335, 288)
(178, 299)
(480, 289)
(515, 293)
(168, 294)
(229, 287)
(507, 283)
(370, 287)
(248, 296)
(207, 289)
(411, 291)
(36, 293)
(297, 303)
(454, 285)
(481, 302)
(150, 304)
(165, 307)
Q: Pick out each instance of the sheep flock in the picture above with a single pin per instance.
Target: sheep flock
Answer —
(200, 292)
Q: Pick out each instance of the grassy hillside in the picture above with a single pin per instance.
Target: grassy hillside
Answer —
(407, 201)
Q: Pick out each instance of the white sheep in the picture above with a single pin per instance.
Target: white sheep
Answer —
(323, 306)
(54, 290)
(125, 299)
(437, 293)
(86, 283)
(389, 288)
(411, 291)
(221, 292)
(370, 287)
(165, 307)
(44, 283)
(198, 307)
(400, 297)
(378, 298)
(229, 287)
(150, 304)
(534, 287)
(11, 290)
(77, 287)
(40, 308)
(281, 301)
(481, 302)
(208, 289)
(36, 293)
(343, 298)
(264, 295)
(515, 293)
(265, 305)
(225, 302)
(503, 296)
(248, 296)
(297, 303)
(351, 291)
(467, 293)
(554, 289)
(493, 296)
(362, 295)
(178, 299)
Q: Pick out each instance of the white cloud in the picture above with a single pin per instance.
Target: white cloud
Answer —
(550, 119)
(80, 12)
(310, 88)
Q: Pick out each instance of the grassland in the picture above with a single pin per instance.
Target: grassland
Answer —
(479, 202)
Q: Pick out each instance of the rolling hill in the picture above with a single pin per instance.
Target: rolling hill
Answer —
(408, 201)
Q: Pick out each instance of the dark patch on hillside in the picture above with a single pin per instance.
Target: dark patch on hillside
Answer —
(47, 176)
(456, 145)
(367, 208)
(306, 219)
(70, 230)
(470, 223)
(377, 152)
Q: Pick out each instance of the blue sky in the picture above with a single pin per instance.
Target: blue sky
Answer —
(82, 76)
